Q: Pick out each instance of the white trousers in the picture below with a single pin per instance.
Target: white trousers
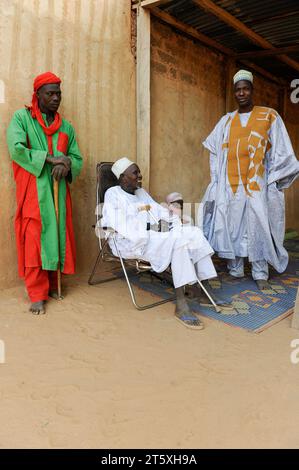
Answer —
(259, 269)
(187, 266)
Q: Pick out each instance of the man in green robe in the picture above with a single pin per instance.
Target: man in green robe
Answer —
(43, 147)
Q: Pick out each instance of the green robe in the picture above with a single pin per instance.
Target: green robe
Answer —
(28, 148)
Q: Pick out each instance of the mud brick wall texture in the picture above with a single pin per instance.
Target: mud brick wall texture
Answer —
(187, 97)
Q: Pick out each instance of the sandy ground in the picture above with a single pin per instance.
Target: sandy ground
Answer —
(95, 373)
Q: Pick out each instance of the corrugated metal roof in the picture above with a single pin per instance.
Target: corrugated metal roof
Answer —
(276, 21)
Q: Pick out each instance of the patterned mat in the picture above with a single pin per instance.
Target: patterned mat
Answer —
(254, 310)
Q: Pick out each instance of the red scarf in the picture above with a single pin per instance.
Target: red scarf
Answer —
(40, 80)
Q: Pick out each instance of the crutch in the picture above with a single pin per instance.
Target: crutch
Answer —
(147, 208)
(56, 204)
(218, 309)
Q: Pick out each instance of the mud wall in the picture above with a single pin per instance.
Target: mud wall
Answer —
(88, 44)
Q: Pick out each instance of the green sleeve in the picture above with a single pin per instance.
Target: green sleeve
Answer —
(31, 160)
(74, 153)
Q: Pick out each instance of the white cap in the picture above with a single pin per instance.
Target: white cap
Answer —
(120, 166)
(173, 197)
(243, 75)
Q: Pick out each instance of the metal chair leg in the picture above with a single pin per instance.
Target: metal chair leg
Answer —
(94, 270)
(131, 290)
(99, 260)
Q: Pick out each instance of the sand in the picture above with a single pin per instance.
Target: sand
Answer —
(95, 373)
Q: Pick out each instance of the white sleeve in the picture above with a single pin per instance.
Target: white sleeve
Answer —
(215, 138)
(157, 210)
(213, 143)
(124, 220)
(283, 166)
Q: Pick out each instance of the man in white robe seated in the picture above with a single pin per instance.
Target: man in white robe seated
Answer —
(136, 217)
(252, 162)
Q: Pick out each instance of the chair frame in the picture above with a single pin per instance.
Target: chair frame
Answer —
(105, 255)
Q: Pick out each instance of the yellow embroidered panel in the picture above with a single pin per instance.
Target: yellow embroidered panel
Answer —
(247, 147)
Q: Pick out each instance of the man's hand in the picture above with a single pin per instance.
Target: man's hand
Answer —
(61, 160)
(59, 171)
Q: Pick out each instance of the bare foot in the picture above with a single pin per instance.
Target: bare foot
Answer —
(193, 291)
(184, 315)
(263, 284)
(37, 308)
(182, 305)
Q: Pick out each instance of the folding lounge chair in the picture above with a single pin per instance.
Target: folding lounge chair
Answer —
(105, 180)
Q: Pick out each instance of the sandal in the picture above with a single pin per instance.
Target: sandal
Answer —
(189, 320)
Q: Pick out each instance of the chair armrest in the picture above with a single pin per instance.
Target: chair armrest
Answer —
(102, 232)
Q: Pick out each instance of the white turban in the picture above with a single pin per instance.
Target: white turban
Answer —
(173, 197)
(243, 75)
(120, 166)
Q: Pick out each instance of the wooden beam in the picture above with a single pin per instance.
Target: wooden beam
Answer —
(143, 93)
(268, 52)
(190, 31)
(229, 19)
(290, 62)
(149, 3)
(270, 19)
(194, 33)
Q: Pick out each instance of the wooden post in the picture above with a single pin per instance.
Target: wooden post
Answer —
(143, 93)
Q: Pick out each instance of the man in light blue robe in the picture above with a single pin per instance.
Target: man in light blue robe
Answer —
(251, 163)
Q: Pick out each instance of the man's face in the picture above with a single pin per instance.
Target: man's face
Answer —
(243, 93)
(49, 97)
(132, 178)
